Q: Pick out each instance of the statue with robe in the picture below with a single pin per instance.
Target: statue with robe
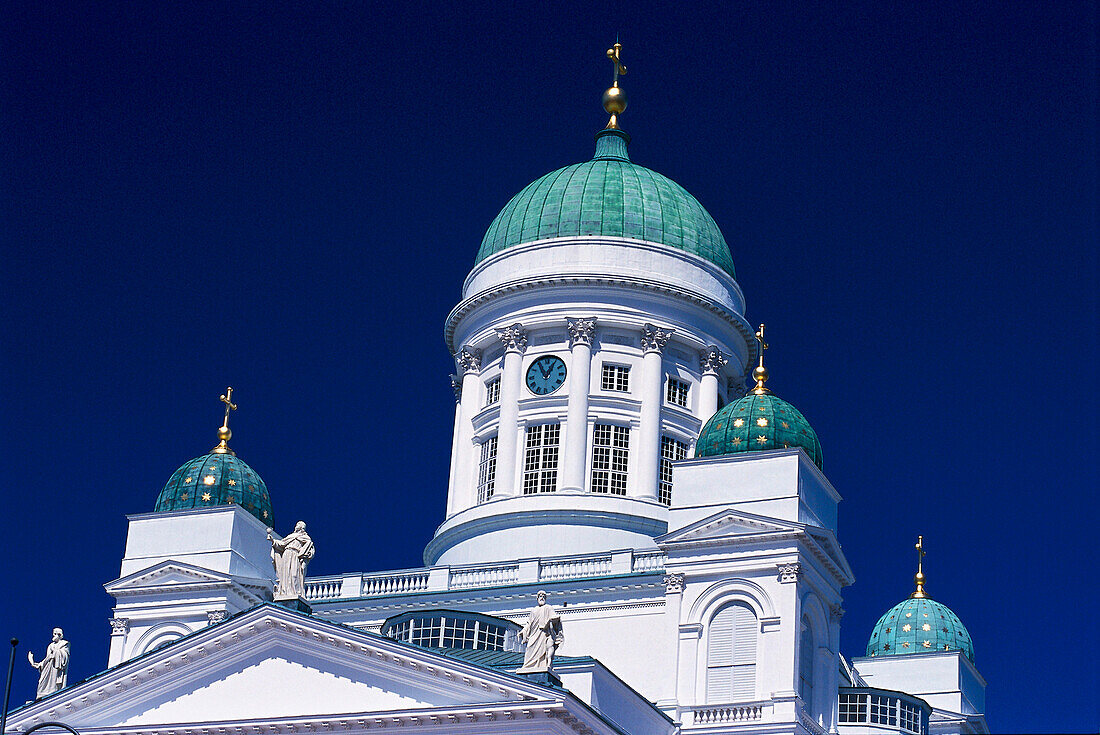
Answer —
(53, 670)
(543, 635)
(289, 555)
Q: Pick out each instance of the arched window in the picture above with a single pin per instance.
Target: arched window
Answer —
(731, 654)
(806, 666)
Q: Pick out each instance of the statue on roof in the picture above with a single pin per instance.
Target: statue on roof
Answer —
(289, 556)
(53, 670)
(543, 635)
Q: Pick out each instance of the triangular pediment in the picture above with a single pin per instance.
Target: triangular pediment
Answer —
(727, 524)
(166, 574)
(270, 662)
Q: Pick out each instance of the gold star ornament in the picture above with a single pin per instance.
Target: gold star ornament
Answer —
(761, 421)
(206, 497)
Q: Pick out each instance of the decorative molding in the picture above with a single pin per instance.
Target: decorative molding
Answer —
(711, 360)
(580, 331)
(654, 338)
(836, 612)
(119, 626)
(468, 360)
(789, 572)
(456, 386)
(213, 617)
(514, 338)
(674, 583)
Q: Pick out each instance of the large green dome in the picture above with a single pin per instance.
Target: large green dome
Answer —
(756, 422)
(216, 479)
(609, 196)
(919, 625)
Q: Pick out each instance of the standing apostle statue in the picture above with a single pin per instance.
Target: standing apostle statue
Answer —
(54, 668)
(289, 555)
(543, 635)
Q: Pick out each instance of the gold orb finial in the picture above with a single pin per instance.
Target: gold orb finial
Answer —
(918, 578)
(760, 373)
(224, 434)
(614, 99)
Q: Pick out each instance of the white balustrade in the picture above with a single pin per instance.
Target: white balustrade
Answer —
(323, 589)
(394, 584)
(484, 576)
(650, 562)
(713, 715)
(593, 566)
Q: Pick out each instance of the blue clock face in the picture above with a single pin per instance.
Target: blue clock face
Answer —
(545, 375)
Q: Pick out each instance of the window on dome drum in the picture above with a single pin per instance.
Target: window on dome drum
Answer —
(677, 392)
(731, 655)
(540, 461)
(671, 451)
(884, 710)
(806, 666)
(450, 632)
(610, 453)
(487, 471)
(853, 708)
(492, 391)
(615, 377)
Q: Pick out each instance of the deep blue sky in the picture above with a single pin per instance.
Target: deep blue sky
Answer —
(287, 200)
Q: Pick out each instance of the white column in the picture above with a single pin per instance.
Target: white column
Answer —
(514, 339)
(119, 628)
(576, 419)
(456, 386)
(649, 429)
(464, 483)
(711, 362)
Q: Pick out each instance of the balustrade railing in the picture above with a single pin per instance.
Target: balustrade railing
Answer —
(484, 575)
(718, 714)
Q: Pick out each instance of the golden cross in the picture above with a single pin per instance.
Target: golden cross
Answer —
(763, 344)
(613, 54)
(229, 405)
(920, 553)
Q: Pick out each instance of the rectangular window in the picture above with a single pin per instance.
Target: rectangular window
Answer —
(492, 391)
(671, 451)
(610, 453)
(615, 377)
(459, 633)
(677, 392)
(487, 472)
(853, 708)
(910, 718)
(883, 710)
(540, 461)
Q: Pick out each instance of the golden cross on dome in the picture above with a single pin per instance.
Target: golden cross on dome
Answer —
(613, 54)
(919, 578)
(763, 344)
(227, 399)
(760, 374)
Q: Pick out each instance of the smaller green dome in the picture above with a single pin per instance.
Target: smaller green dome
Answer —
(216, 479)
(919, 625)
(757, 422)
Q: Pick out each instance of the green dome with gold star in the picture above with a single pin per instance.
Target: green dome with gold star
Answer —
(757, 422)
(216, 479)
(919, 625)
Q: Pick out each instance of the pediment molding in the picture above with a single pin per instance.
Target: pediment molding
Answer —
(175, 576)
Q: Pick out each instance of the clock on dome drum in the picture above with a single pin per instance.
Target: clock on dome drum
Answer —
(545, 375)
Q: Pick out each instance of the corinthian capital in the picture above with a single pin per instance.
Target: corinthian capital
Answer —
(711, 360)
(514, 338)
(654, 338)
(468, 360)
(456, 386)
(674, 583)
(580, 331)
(119, 626)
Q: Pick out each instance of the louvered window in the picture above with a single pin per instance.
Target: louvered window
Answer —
(731, 655)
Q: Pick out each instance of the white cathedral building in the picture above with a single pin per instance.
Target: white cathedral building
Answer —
(605, 451)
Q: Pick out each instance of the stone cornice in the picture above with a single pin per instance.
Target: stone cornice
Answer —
(735, 320)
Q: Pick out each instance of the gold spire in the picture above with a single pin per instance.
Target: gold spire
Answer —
(224, 434)
(919, 577)
(614, 99)
(760, 373)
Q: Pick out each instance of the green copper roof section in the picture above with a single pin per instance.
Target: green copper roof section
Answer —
(754, 423)
(610, 196)
(919, 625)
(216, 479)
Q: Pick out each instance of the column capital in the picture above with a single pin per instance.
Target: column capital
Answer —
(456, 386)
(674, 583)
(711, 360)
(654, 338)
(119, 626)
(514, 338)
(580, 330)
(468, 360)
(789, 572)
(214, 617)
(836, 612)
